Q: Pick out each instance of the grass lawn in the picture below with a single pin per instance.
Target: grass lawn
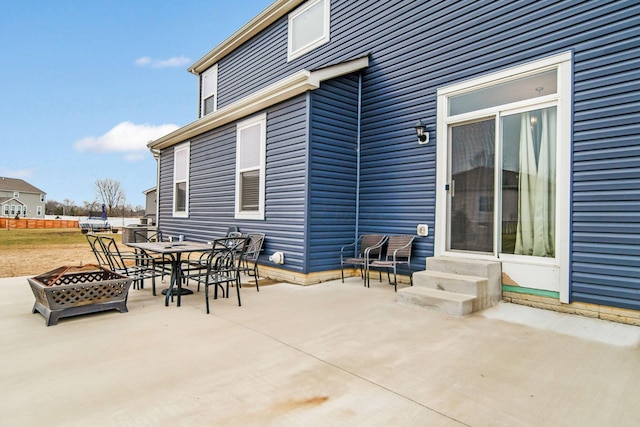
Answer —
(32, 238)
(25, 252)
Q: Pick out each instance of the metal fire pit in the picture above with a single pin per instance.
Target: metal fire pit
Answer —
(70, 291)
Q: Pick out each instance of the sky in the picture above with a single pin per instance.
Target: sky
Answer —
(86, 84)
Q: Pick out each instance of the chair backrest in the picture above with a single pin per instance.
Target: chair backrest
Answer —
(110, 247)
(370, 240)
(254, 246)
(231, 229)
(226, 253)
(98, 250)
(400, 247)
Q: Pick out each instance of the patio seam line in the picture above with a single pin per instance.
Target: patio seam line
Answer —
(345, 370)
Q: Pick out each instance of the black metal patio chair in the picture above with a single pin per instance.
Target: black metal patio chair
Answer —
(249, 261)
(358, 253)
(162, 263)
(398, 252)
(219, 268)
(137, 266)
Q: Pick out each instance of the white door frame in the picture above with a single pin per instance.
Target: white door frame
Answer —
(550, 274)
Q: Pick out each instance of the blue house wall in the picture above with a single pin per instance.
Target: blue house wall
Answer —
(333, 172)
(212, 185)
(415, 48)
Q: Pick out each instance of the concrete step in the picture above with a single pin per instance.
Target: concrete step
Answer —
(491, 270)
(447, 302)
(451, 282)
(468, 267)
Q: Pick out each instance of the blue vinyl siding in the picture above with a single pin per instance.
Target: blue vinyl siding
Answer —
(332, 171)
(286, 182)
(212, 185)
(606, 164)
(415, 48)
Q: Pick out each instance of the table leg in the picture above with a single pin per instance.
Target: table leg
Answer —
(172, 282)
(176, 282)
(179, 277)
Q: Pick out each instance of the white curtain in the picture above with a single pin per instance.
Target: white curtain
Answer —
(537, 185)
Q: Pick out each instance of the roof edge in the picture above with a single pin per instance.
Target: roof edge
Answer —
(293, 85)
(268, 16)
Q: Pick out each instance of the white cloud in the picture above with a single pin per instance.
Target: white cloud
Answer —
(176, 61)
(125, 137)
(16, 173)
(145, 60)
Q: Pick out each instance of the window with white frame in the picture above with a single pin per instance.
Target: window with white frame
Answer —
(308, 27)
(42, 197)
(39, 210)
(250, 167)
(16, 195)
(210, 90)
(5, 209)
(181, 180)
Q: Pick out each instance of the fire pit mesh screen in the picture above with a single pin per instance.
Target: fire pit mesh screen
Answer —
(74, 290)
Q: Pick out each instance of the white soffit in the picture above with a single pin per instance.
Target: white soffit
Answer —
(282, 90)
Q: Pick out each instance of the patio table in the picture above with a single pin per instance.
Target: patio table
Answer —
(174, 250)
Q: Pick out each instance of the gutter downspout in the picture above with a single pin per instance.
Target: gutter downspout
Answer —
(357, 228)
(156, 156)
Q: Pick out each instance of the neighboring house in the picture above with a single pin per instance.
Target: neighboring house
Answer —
(18, 198)
(306, 133)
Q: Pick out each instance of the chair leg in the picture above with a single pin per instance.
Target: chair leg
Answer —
(255, 274)
(367, 276)
(395, 279)
(206, 295)
(238, 291)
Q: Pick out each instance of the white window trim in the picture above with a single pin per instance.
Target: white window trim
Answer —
(291, 55)
(262, 121)
(185, 146)
(563, 62)
(213, 70)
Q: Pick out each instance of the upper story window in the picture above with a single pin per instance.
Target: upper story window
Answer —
(308, 27)
(181, 180)
(250, 167)
(209, 90)
(42, 197)
(16, 194)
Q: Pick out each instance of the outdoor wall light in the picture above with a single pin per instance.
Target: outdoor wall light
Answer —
(421, 131)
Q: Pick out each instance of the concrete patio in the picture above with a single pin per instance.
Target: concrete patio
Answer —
(326, 355)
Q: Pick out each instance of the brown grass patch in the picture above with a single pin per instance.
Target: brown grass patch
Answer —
(22, 255)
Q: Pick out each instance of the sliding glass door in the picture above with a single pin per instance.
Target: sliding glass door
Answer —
(503, 172)
(517, 216)
(471, 186)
